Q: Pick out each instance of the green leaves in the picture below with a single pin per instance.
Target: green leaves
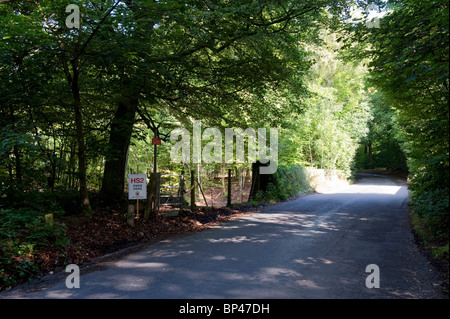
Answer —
(334, 117)
(23, 232)
(410, 67)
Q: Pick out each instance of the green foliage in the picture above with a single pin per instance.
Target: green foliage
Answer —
(441, 252)
(225, 63)
(286, 182)
(433, 206)
(384, 145)
(139, 65)
(58, 202)
(409, 66)
(430, 220)
(16, 263)
(23, 233)
(430, 198)
(335, 112)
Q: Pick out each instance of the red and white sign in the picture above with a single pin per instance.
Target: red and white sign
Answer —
(156, 141)
(137, 186)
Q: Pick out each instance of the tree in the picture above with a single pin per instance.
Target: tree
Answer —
(335, 115)
(207, 60)
(224, 63)
(384, 145)
(410, 54)
(39, 35)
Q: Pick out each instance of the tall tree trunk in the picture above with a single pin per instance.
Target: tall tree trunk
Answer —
(16, 152)
(371, 161)
(119, 141)
(17, 156)
(82, 166)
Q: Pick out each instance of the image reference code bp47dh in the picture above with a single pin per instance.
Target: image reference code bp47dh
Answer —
(227, 308)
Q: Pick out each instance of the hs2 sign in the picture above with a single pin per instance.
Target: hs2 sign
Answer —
(137, 186)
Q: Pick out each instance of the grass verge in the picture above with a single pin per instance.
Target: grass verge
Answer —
(435, 248)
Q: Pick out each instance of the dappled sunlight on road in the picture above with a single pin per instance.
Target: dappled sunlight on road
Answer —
(131, 283)
(138, 264)
(238, 239)
(316, 246)
(310, 261)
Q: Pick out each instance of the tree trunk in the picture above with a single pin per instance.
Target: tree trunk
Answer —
(16, 152)
(371, 161)
(82, 166)
(17, 156)
(119, 141)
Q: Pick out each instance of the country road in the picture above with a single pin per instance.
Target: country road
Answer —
(316, 246)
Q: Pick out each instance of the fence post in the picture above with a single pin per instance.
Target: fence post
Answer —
(130, 215)
(148, 206)
(181, 191)
(152, 196)
(192, 190)
(229, 188)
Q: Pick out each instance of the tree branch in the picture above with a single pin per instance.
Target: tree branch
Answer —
(91, 36)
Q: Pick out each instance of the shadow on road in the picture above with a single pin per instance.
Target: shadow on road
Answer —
(317, 246)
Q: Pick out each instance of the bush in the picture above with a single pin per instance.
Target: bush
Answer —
(432, 208)
(56, 202)
(430, 199)
(26, 239)
(288, 181)
(23, 234)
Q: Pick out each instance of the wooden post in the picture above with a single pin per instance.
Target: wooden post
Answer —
(152, 196)
(147, 206)
(137, 209)
(153, 193)
(192, 190)
(229, 188)
(155, 151)
(49, 218)
(255, 181)
(130, 215)
(241, 183)
(157, 192)
(181, 191)
(137, 200)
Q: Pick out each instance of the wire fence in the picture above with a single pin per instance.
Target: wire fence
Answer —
(211, 185)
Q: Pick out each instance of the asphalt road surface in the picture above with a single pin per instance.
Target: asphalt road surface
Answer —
(316, 246)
